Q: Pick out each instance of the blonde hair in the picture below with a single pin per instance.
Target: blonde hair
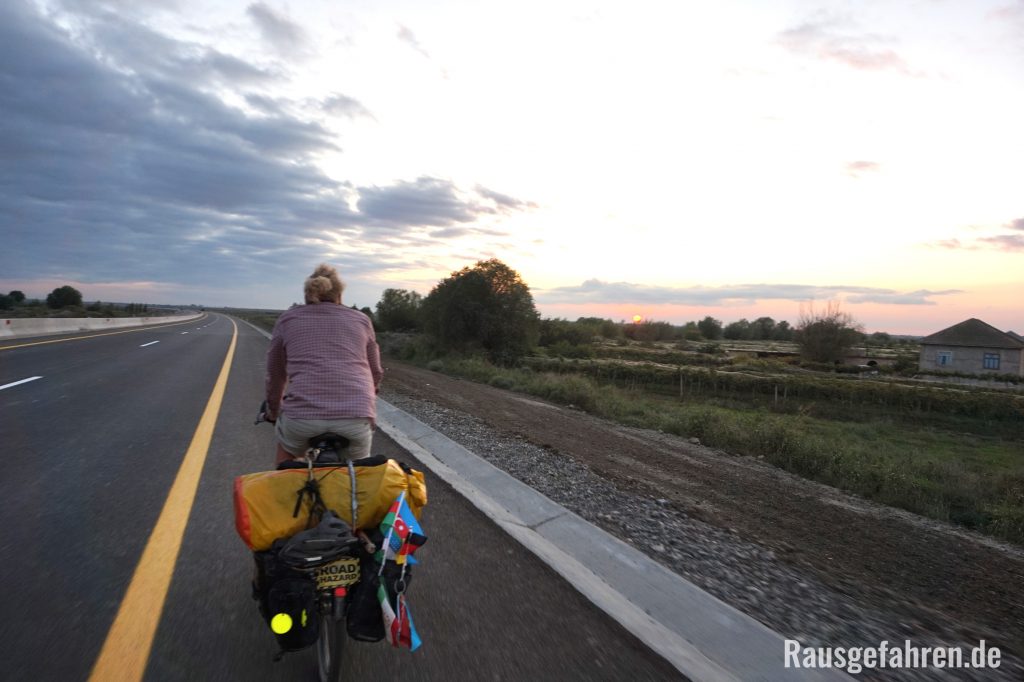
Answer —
(324, 285)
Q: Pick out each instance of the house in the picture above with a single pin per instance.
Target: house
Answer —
(973, 347)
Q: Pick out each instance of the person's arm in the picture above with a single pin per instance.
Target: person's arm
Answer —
(373, 357)
(277, 374)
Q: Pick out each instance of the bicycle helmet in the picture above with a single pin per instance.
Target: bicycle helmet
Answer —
(330, 539)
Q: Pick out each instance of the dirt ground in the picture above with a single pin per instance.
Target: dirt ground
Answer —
(919, 569)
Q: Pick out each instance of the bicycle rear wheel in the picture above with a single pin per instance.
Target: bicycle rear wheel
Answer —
(329, 647)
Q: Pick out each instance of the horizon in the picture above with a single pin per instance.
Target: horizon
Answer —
(739, 160)
(623, 321)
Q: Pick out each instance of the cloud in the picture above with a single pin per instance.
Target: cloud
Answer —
(857, 169)
(1005, 242)
(1009, 241)
(118, 163)
(834, 40)
(283, 34)
(265, 104)
(430, 202)
(887, 297)
(138, 49)
(953, 243)
(343, 105)
(595, 291)
(409, 38)
(503, 202)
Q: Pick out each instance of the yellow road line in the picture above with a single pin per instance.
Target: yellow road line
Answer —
(93, 336)
(130, 639)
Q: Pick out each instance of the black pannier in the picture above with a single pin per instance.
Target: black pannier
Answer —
(287, 601)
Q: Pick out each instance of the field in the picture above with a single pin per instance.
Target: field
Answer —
(949, 453)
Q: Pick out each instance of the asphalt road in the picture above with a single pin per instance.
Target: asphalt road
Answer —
(92, 449)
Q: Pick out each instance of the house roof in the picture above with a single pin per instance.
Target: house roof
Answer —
(1016, 336)
(974, 332)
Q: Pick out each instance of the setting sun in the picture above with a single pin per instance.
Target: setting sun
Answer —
(637, 319)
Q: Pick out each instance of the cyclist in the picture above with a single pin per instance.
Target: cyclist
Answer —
(323, 371)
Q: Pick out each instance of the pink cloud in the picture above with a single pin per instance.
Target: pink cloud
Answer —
(838, 41)
(856, 169)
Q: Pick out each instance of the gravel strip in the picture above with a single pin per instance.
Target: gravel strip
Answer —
(748, 577)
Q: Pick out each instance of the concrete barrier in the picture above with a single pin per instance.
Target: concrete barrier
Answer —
(15, 327)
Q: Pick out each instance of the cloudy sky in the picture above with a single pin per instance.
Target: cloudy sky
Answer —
(667, 159)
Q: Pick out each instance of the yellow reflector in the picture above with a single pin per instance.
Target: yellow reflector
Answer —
(281, 623)
(303, 617)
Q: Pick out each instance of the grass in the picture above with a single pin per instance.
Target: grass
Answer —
(261, 318)
(974, 480)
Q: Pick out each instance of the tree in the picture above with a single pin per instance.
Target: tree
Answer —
(17, 296)
(782, 332)
(826, 336)
(64, 296)
(690, 332)
(737, 330)
(487, 306)
(762, 328)
(710, 328)
(398, 310)
(6, 301)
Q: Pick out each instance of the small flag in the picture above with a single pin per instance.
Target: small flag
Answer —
(413, 541)
(402, 536)
(407, 634)
(400, 528)
(388, 613)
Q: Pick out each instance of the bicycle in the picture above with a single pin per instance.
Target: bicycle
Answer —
(319, 577)
(334, 563)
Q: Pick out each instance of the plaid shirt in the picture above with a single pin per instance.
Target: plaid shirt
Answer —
(328, 354)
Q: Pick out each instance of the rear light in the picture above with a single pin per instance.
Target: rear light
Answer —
(340, 592)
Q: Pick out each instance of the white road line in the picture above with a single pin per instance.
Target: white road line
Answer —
(148, 344)
(15, 383)
(184, 333)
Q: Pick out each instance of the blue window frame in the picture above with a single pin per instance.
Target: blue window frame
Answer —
(991, 361)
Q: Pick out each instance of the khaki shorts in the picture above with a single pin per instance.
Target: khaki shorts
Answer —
(294, 434)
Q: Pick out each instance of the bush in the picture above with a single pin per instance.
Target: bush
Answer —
(827, 336)
(565, 349)
(557, 330)
(711, 349)
(501, 381)
(568, 390)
